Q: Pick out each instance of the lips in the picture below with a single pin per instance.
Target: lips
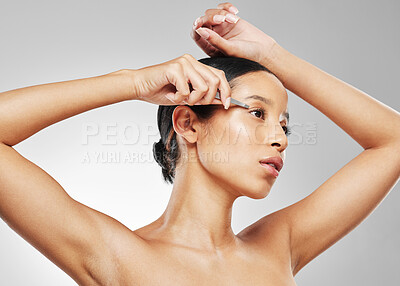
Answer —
(271, 170)
(276, 161)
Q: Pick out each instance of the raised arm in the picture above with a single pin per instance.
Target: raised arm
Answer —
(27, 110)
(32, 203)
(78, 239)
(353, 192)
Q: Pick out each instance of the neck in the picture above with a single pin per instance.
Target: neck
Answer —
(199, 211)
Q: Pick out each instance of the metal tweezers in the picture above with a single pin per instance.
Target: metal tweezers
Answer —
(234, 101)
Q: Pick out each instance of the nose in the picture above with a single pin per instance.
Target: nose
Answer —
(277, 138)
(272, 135)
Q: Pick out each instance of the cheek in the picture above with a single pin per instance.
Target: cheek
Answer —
(260, 134)
(230, 154)
(226, 147)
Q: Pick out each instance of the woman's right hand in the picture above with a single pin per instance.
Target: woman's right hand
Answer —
(183, 80)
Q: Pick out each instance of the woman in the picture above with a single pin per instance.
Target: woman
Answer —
(192, 242)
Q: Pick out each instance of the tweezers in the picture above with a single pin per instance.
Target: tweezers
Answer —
(234, 101)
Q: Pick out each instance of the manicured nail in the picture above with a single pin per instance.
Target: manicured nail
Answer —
(227, 103)
(196, 21)
(233, 10)
(231, 18)
(203, 33)
(219, 18)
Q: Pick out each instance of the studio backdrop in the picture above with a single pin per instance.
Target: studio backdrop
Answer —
(103, 158)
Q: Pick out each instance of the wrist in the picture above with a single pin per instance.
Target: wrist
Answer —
(126, 81)
(272, 56)
(278, 62)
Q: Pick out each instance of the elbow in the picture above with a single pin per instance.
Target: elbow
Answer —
(394, 144)
(397, 151)
(389, 136)
(392, 149)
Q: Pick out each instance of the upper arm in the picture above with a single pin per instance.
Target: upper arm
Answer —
(340, 203)
(34, 205)
(316, 222)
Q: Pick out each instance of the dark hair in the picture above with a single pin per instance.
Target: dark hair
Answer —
(166, 151)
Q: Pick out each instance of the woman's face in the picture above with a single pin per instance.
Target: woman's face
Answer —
(238, 138)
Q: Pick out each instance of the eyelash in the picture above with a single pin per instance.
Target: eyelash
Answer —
(288, 129)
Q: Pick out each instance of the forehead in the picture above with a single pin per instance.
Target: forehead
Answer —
(262, 87)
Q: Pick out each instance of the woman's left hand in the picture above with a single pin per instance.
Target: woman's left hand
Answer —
(219, 33)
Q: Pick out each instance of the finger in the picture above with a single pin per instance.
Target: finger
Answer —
(198, 83)
(197, 22)
(224, 88)
(215, 79)
(228, 7)
(217, 82)
(205, 46)
(214, 17)
(213, 82)
(215, 40)
(178, 79)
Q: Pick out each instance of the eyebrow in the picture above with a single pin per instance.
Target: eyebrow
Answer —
(268, 102)
(260, 98)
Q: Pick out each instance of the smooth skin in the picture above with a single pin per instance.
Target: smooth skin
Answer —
(192, 242)
(83, 242)
(352, 193)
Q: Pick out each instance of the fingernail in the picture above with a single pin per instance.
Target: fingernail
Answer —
(227, 103)
(196, 21)
(203, 33)
(231, 18)
(233, 10)
(219, 18)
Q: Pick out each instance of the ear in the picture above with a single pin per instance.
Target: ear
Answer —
(186, 123)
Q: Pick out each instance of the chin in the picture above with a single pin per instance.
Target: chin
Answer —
(258, 196)
(256, 192)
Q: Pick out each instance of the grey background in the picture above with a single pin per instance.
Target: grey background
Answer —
(49, 41)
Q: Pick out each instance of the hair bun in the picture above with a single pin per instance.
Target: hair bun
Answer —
(158, 152)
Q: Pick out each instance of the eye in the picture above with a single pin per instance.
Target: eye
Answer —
(259, 111)
(287, 129)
